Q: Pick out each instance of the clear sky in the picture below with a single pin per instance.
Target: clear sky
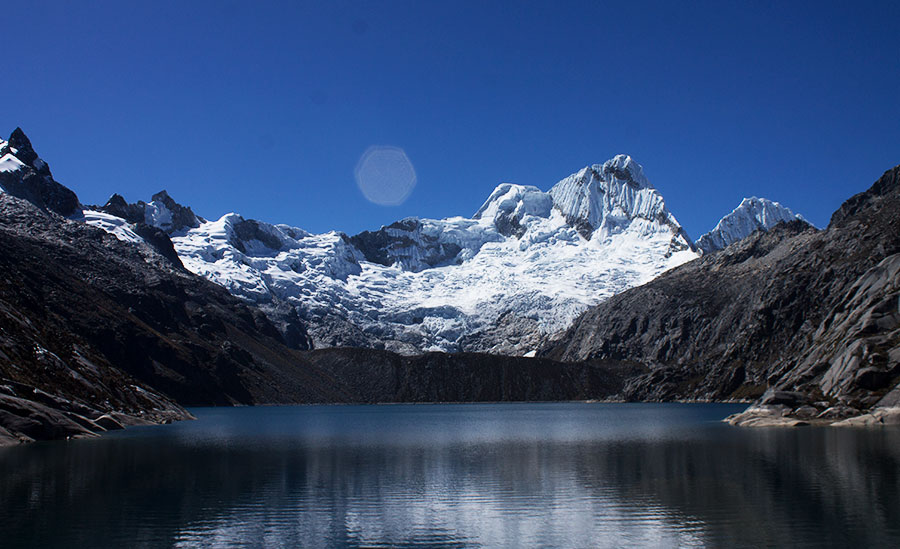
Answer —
(265, 108)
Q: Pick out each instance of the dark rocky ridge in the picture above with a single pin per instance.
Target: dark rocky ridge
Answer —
(158, 238)
(809, 316)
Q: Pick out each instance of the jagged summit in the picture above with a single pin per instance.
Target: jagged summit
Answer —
(161, 212)
(753, 214)
(25, 175)
(25, 152)
(623, 168)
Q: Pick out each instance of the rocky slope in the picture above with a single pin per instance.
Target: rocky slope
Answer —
(106, 327)
(807, 320)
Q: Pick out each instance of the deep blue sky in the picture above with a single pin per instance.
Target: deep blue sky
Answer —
(265, 108)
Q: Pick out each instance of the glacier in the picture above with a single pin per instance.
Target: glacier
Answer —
(527, 259)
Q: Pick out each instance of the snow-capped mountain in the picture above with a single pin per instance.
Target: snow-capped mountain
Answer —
(521, 268)
(751, 215)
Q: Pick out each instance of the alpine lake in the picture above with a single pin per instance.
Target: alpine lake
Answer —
(457, 475)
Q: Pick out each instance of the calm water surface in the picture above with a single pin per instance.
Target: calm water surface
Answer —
(497, 475)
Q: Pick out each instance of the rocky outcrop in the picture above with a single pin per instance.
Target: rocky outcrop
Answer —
(509, 335)
(28, 414)
(810, 316)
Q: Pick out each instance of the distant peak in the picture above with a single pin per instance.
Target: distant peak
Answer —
(753, 201)
(172, 216)
(752, 214)
(510, 203)
(608, 196)
(162, 212)
(505, 197)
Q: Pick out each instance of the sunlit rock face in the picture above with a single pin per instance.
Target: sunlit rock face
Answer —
(527, 259)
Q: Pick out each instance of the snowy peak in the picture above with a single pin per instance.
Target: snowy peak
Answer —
(617, 188)
(517, 199)
(9, 162)
(606, 199)
(753, 214)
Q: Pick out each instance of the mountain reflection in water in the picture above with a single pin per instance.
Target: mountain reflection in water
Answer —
(568, 474)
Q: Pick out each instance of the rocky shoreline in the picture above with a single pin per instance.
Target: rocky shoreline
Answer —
(783, 416)
(28, 414)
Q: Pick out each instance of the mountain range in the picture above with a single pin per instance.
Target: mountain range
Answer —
(125, 312)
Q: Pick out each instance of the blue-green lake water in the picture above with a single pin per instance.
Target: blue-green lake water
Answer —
(461, 475)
